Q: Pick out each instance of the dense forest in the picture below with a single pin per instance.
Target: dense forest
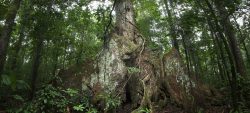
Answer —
(124, 56)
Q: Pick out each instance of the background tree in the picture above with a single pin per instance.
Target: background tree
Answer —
(6, 32)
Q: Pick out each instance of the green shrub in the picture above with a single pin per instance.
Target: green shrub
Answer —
(111, 102)
(56, 100)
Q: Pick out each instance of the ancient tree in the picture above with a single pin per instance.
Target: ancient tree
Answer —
(130, 71)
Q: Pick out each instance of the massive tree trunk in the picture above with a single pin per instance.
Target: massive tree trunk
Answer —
(127, 70)
(113, 62)
(6, 32)
(121, 71)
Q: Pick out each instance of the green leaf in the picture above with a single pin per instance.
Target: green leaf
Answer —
(78, 107)
(6, 80)
(71, 92)
(18, 97)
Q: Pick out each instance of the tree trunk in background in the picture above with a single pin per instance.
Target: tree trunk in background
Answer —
(36, 64)
(191, 55)
(196, 62)
(172, 28)
(188, 50)
(17, 48)
(219, 53)
(40, 30)
(81, 51)
(186, 53)
(247, 52)
(242, 40)
(24, 19)
(6, 32)
(55, 60)
(64, 55)
(233, 79)
(231, 36)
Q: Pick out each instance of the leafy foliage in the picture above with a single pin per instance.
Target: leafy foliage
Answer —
(56, 100)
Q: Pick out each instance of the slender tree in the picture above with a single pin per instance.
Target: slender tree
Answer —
(172, 27)
(37, 57)
(231, 36)
(6, 32)
(24, 20)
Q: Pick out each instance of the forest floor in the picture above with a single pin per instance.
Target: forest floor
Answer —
(212, 109)
(174, 109)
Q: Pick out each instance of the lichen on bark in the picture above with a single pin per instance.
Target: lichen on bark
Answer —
(112, 63)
